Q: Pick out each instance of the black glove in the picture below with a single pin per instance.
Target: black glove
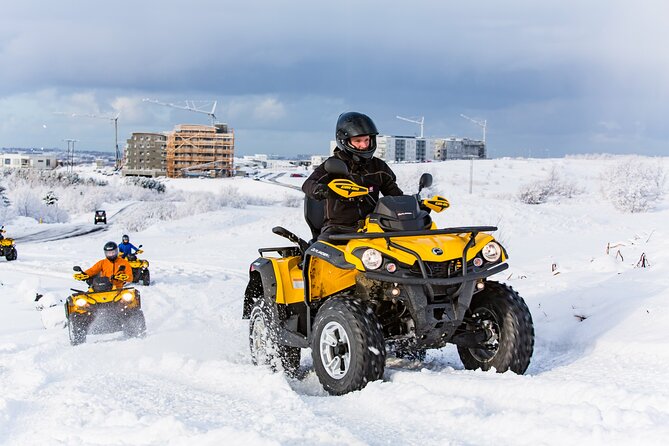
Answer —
(321, 191)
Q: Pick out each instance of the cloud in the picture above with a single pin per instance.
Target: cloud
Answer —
(269, 109)
(542, 73)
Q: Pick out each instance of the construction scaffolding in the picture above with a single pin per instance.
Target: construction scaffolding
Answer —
(200, 150)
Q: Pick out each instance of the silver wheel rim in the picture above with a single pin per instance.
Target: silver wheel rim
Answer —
(335, 349)
(259, 340)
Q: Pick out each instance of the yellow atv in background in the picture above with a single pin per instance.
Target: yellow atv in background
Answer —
(103, 309)
(398, 283)
(140, 268)
(7, 247)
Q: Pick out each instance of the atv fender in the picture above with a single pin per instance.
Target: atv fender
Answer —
(262, 282)
(330, 254)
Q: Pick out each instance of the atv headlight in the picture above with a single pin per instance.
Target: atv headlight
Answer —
(372, 259)
(127, 296)
(492, 252)
(145, 263)
(81, 302)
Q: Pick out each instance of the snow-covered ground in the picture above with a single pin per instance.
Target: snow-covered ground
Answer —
(599, 374)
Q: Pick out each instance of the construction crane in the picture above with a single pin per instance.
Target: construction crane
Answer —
(483, 124)
(190, 106)
(114, 119)
(422, 120)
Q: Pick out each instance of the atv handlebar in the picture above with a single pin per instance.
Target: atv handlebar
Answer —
(367, 235)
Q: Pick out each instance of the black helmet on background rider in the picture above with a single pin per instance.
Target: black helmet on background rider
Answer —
(125, 238)
(352, 124)
(111, 251)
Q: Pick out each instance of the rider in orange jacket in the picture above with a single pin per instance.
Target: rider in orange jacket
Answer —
(110, 267)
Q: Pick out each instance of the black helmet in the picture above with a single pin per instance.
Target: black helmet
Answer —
(125, 238)
(355, 124)
(111, 251)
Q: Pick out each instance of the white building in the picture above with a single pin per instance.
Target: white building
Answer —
(317, 160)
(28, 161)
(414, 149)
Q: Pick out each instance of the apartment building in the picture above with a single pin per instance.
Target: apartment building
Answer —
(146, 155)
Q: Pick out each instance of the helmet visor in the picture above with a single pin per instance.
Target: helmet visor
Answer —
(111, 254)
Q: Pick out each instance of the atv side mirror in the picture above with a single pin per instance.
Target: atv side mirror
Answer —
(77, 269)
(336, 166)
(139, 246)
(425, 181)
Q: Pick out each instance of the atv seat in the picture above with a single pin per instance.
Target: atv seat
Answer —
(314, 214)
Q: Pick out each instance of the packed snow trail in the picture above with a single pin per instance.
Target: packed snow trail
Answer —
(597, 376)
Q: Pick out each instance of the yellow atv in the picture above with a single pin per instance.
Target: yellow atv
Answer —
(140, 268)
(399, 282)
(103, 309)
(7, 247)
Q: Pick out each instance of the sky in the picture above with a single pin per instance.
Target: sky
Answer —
(549, 78)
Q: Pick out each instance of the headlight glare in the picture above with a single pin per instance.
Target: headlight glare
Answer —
(127, 296)
(372, 259)
(81, 302)
(492, 252)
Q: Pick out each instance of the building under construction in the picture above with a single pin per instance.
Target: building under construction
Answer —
(200, 150)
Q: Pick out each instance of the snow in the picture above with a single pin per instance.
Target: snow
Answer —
(598, 374)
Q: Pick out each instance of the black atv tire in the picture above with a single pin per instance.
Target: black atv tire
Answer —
(146, 278)
(505, 312)
(265, 349)
(134, 325)
(77, 330)
(347, 346)
(11, 255)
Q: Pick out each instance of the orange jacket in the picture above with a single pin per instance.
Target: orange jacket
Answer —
(107, 269)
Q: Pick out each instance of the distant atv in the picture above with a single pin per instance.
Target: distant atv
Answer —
(103, 309)
(398, 283)
(100, 217)
(7, 247)
(140, 268)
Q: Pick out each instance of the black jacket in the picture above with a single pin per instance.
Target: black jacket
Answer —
(373, 174)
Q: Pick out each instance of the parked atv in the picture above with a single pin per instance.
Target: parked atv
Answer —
(399, 282)
(140, 268)
(103, 309)
(7, 247)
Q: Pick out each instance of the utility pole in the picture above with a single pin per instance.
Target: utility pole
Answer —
(70, 154)
(117, 165)
(421, 122)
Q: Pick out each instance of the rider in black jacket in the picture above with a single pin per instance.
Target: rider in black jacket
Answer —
(356, 143)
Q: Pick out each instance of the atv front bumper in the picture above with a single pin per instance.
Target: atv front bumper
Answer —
(436, 318)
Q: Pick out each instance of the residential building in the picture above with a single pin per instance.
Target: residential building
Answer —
(200, 150)
(145, 155)
(28, 161)
(415, 149)
(460, 148)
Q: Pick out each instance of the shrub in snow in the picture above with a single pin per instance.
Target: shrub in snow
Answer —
(49, 178)
(50, 198)
(146, 183)
(292, 201)
(145, 214)
(27, 203)
(541, 191)
(633, 186)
